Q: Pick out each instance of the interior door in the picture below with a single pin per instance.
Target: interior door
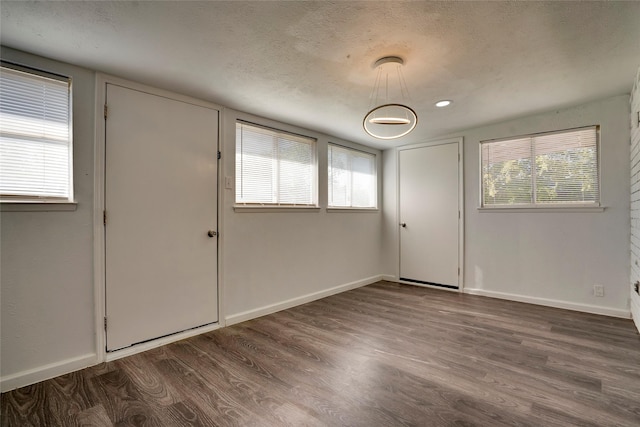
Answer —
(161, 216)
(429, 211)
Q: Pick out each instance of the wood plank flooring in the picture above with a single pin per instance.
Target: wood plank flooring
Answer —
(382, 355)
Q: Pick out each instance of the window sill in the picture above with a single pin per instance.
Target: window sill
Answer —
(267, 208)
(36, 206)
(570, 209)
(342, 210)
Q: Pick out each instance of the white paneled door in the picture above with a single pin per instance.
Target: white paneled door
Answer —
(161, 216)
(429, 210)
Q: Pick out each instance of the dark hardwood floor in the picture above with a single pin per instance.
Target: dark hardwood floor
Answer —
(382, 355)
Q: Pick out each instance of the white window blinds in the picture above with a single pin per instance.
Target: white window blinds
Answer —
(352, 178)
(35, 136)
(274, 167)
(558, 168)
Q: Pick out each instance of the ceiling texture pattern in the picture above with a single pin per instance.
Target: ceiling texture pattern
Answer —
(310, 63)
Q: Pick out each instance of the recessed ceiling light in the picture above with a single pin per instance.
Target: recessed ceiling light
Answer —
(443, 103)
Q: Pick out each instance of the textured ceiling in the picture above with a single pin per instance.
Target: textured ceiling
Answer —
(309, 63)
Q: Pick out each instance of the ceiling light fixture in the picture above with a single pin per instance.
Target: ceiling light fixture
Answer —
(443, 103)
(389, 118)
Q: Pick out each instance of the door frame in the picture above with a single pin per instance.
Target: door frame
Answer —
(99, 171)
(459, 141)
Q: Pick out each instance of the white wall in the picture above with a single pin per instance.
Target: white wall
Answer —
(46, 271)
(391, 223)
(550, 258)
(273, 260)
(268, 261)
(635, 198)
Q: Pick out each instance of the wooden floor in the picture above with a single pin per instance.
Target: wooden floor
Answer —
(382, 355)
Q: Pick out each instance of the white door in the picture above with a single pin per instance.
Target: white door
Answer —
(429, 210)
(160, 204)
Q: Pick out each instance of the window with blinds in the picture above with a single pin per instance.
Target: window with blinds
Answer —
(35, 136)
(274, 167)
(549, 169)
(352, 178)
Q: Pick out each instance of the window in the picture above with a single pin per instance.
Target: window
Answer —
(35, 136)
(352, 178)
(549, 169)
(274, 167)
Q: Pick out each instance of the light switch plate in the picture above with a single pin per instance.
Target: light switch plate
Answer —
(228, 182)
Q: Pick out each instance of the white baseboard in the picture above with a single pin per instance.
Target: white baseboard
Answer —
(41, 373)
(635, 310)
(139, 348)
(263, 311)
(586, 308)
(53, 370)
(389, 278)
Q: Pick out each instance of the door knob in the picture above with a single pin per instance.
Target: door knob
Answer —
(212, 233)
(403, 224)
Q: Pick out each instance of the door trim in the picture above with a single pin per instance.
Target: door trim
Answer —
(99, 171)
(459, 141)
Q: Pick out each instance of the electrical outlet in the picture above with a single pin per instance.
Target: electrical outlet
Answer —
(598, 290)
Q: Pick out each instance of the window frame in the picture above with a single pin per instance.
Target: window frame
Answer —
(351, 208)
(44, 202)
(277, 206)
(595, 206)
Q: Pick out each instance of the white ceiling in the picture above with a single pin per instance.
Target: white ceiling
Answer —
(309, 63)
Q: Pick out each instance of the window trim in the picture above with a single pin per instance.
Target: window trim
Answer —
(255, 208)
(37, 206)
(348, 209)
(332, 209)
(531, 209)
(279, 207)
(11, 203)
(543, 207)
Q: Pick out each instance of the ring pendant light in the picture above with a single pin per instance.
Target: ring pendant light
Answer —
(389, 119)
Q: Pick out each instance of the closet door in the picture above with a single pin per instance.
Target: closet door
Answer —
(429, 212)
(161, 216)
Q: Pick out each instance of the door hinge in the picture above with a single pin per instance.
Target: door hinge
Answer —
(458, 156)
(458, 214)
(104, 217)
(106, 110)
(105, 323)
(458, 275)
(219, 155)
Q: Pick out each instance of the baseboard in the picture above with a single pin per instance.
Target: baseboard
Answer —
(46, 372)
(139, 348)
(53, 370)
(389, 278)
(635, 310)
(268, 309)
(586, 308)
